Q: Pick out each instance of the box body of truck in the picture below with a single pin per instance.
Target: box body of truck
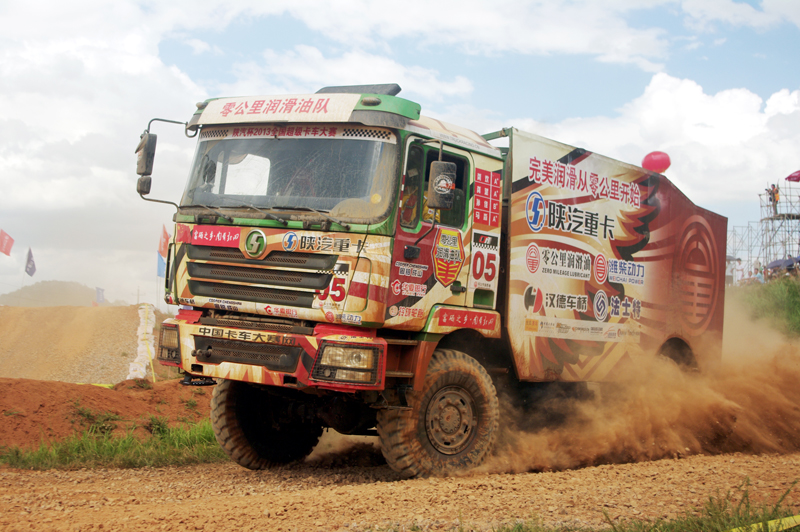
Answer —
(320, 289)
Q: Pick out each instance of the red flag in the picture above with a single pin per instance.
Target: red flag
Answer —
(5, 243)
(794, 176)
(163, 243)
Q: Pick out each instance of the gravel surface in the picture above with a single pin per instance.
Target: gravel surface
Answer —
(322, 496)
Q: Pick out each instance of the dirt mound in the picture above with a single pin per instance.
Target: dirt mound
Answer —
(53, 294)
(35, 411)
(70, 344)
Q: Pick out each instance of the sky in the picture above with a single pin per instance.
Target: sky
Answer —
(713, 83)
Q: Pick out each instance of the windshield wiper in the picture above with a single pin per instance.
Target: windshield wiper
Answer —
(206, 207)
(327, 217)
(265, 213)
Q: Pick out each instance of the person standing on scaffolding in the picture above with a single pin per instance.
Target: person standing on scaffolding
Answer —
(774, 196)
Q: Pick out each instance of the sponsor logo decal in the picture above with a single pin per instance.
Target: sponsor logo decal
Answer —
(600, 306)
(565, 263)
(290, 241)
(535, 211)
(488, 187)
(567, 302)
(533, 298)
(625, 308)
(466, 318)
(532, 258)
(443, 184)
(206, 235)
(279, 311)
(407, 269)
(448, 255)
(600, 268)
(625, 272)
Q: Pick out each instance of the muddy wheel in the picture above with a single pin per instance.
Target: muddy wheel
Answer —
(243, 419)
(452, 423)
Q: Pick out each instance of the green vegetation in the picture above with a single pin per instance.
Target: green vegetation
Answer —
(777, 300)
(144, 384)
(95, 422)
(176, 446)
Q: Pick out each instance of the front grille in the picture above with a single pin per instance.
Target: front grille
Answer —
(271, 356)
(300, 261)
(220, 272)
(252, 293)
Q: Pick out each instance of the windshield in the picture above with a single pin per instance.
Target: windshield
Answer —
(352, 179)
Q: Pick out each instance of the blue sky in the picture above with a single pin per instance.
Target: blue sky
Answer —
(714, 83)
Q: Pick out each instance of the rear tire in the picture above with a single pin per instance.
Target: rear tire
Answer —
(243, 417)
(452, 423)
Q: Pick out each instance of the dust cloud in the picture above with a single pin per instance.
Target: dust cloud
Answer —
(750, 404)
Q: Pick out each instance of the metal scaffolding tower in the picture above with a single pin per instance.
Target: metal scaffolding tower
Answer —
(775, 237)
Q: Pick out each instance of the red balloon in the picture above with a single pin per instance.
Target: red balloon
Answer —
(657, 161)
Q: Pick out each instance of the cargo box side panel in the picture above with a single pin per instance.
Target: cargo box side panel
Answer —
(607, 261)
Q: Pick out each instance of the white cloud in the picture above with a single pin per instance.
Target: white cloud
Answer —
(200, 47)
(724, 147)
(80, 80)
(306, 69)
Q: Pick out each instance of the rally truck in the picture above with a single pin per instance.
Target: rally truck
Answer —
(342, 261)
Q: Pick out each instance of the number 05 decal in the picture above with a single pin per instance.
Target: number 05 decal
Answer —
(335, 290)
(484, 265)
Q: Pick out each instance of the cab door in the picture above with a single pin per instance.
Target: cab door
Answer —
(430, 263)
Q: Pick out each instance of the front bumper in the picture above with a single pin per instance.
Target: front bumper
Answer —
(355, 358)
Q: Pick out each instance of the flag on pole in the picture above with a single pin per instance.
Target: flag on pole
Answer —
(100, 297)
(163, 249)
(30, 266)
(5, 243)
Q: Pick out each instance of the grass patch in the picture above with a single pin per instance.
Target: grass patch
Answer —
(777, 301)
(95, 422)
(144, 384)
(167, 446)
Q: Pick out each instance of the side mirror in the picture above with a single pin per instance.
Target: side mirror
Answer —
(145, 154)
(441, 185)
(143, 185)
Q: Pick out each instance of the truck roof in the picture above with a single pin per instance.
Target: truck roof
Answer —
(337, 105)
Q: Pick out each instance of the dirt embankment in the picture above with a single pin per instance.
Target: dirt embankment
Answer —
(34, 411)
(69, 344)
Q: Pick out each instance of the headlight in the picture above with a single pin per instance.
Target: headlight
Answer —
(348, 357)
(169, 337)
(347, 363)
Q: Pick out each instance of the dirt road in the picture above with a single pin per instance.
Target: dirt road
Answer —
(349, 496)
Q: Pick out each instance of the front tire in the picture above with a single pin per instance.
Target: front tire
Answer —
(245, 424)
(452, 423)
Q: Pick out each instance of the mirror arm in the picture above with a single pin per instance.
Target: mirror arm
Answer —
(429, 230)
(185, 124)
(160, 201)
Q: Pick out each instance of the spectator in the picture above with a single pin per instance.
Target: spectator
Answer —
(739, 272)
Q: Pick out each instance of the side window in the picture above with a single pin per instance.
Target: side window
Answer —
(409, 212)
(455, 216)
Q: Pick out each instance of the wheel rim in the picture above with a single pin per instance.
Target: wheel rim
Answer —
(450, 419)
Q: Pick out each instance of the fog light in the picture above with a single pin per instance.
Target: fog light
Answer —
(350, 375)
